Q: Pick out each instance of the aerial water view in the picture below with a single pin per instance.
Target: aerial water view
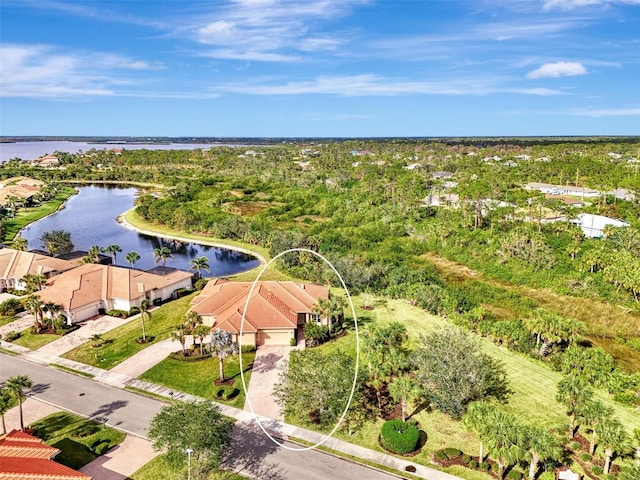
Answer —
(320, 239)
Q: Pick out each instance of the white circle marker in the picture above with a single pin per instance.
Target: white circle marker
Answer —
(355, 374)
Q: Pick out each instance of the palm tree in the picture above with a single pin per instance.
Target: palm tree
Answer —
(191, 321)
(636, 441)
(132, 257)
(505, 439)
(199, 264)
(33, 282)
(542, 445)
(573, 393)
(179, 335)
(112, 250)
(144, 312)
(404, 390)
(549, 328)
(201, 331)
(96, 340)
(93, 255)
(51, 309)
(613, 437)
(477, 419)
(222, 345)
(5, 405)
(592, 413)
(19, 243)
(161, 255)
(34, 304)
(16, 385)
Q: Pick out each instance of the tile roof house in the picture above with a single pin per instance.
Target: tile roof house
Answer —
(15, 264)
(276, 313)
(23, 188)
(86, 290)
(25, 457)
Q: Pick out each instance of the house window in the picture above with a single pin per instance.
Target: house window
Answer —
(316, 318)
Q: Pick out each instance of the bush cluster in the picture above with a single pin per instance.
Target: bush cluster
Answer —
(12, 335)
(11, 307)
(118, 313)
(399, 437)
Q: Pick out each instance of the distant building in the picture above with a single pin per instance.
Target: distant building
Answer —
(593, 225)
(562, 189)
(441, 174)
(46, 161)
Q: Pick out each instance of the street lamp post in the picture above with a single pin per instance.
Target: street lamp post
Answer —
(189, 452)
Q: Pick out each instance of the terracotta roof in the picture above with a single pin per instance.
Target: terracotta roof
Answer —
(92, 282)
(25, 457)
(15, 264)
(272, 304)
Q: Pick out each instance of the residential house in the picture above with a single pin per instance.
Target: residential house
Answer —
(91, 289)
(562, 189)
(15, 264)
(25, 457)
(46, 161)
(441, 174)
(23, 189)
(276, 311)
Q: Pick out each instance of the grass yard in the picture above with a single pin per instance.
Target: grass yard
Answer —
(8, 319)
(533, 383)
(25, 216)
(197, 378)
(35, 340)
(121, 344)
(160, 468)
(80, 440)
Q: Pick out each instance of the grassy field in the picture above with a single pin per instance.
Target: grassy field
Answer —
(120, 343)
(27, 215)
(160, 468)
(532, 381)
(76, 437)
(5, 320)
(197, 378)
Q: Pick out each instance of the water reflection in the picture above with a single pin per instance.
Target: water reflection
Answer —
(91, 216)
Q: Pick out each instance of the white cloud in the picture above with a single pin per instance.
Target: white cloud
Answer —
(558, 69)
(571, 4)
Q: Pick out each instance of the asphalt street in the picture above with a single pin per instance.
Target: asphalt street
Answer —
(251, 452)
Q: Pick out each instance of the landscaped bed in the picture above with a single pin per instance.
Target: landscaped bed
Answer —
(80, 440)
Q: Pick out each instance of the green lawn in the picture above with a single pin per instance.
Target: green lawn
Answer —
(35, 340)
(76, 437)
(9, 319)
(121, 344)
(160, 468)
(197, 378)
(27, 215)
(532, 381)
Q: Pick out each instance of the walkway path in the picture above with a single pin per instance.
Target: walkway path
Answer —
(145, 359)
(24, 321)
(32, 411)
(121, 461)
(264, 375)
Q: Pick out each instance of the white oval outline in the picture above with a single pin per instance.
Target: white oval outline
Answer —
(355, 376)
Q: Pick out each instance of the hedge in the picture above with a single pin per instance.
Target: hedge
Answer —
(399, 437)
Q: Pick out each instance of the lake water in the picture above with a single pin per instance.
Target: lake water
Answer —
(91, 215)
(33, 150)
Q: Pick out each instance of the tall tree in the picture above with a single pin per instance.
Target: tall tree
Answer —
(57, 242)
(179, 335)
(222, 345)
(145, 314)
(113, 250)
(93, 255)
(541, 445)
(201, 331)
(404, 390)
(34, 304)
(592, 413)
(477, 419)
(20, 243)
(613, 437)
(550, 328)
(6, 402)
(198, 426)
(16, 385)
(199, 264)
(636, 442)
(161, 255)
(33, 282)
(573, 393)
(132, 257)
(505, 439)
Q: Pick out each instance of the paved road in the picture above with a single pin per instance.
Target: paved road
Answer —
(251, 451)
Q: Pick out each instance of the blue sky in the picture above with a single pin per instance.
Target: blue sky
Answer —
(320, 67)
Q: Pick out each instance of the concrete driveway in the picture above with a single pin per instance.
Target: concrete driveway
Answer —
(264, 375)
(122, 460)
(145, 359)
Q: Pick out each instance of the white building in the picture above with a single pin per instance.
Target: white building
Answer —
(593, 225)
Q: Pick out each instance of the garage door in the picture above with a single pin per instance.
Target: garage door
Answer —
(274, 337)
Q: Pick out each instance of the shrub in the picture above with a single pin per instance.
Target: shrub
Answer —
(118, 313)
(248, 348)
(485, 466)
(597, 470)
(12, 335)
(547, 476)
(230, 394)
(585, 457)
(473, 464)
(134, 311)
(399, 437)
(11, 307)
(219, 393)
(440, 455)
(200, 283)
(452, 452)
(292, 342)
(465, 459)
(575, 446)
(102, 448)
(514, 475)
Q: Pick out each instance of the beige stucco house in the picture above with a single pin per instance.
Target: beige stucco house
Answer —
(15, 264)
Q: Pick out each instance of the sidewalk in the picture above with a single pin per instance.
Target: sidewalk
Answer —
(275, 428)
